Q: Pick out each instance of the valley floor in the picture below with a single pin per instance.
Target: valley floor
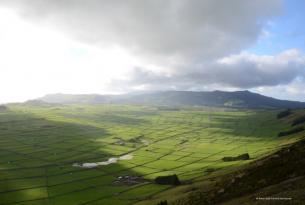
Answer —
(40, 146)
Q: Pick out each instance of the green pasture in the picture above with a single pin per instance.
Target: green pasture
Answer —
(39, 145)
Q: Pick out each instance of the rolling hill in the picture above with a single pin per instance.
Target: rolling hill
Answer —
(238, 99)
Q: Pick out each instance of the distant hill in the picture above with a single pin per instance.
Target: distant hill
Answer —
(3, 108)
(238, 99)
(40, 103)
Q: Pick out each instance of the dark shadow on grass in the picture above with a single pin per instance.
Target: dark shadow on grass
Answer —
(36, 157)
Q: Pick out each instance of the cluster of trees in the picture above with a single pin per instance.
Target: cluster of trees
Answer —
(168, 180)
(298, 120)
(290, 132)
(284, 113)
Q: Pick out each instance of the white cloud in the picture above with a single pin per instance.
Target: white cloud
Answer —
(293, 91)
(37, 60)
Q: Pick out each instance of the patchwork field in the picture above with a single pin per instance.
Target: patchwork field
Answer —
(62, 155)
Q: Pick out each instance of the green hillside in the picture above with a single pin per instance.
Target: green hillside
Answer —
(111, 154)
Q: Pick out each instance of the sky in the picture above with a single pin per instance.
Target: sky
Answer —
(119, 46)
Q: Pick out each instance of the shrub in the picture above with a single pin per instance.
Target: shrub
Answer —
(168, 180)
(292, 131)
(284, 114)
(210, 170)
(239, 157)
(298, 120)
(163, 203)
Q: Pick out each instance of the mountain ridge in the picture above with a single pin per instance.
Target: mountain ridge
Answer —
(236, 99)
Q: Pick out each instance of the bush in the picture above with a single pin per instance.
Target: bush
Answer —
(163, 203)
(292, 131)
(284, 114)
(298, 120)
(168, 180)
(239, 157)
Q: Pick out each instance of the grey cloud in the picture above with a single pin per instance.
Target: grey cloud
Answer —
(239, 71)
(166, 30)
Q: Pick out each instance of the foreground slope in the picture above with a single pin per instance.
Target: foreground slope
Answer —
(238, 99)
(278, 178)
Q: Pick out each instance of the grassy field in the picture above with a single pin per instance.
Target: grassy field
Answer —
(39, 145)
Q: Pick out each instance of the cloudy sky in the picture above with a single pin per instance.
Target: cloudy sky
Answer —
(117, 46)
